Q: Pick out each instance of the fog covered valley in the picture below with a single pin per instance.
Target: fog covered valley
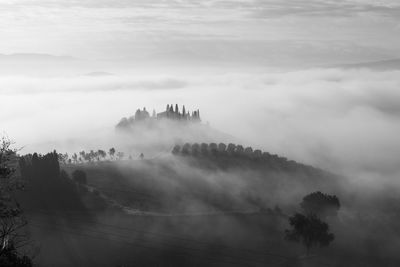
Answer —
(202, 204)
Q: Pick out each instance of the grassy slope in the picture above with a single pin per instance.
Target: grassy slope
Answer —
(183, 186)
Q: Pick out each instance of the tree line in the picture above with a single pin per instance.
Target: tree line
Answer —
(91, 156)
(221, 150)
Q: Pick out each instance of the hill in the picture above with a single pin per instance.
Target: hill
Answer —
(160, 131)
(382, 65)
(213, 208)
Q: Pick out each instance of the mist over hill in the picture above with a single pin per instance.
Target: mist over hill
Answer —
(159, 132)
(190, 201)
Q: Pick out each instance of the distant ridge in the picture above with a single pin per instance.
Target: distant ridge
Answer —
(98, 74)
(34, 57)
(390, 64)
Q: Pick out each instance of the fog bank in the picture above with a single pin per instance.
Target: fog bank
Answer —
(342, 120)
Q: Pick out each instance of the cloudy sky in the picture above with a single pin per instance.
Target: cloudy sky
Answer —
(352, 30)
(269, 72)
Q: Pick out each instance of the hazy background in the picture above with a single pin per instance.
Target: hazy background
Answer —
(277, 76)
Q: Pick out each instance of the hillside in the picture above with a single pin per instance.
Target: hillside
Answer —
(207, 209)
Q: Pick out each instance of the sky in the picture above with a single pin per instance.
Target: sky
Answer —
(126, 29)
(271, 73)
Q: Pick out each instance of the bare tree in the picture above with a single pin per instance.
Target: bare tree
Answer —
(12, 236)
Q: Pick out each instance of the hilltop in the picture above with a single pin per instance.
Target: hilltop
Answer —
(160, 131)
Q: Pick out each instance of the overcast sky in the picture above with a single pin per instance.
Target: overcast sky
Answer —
(121, 29)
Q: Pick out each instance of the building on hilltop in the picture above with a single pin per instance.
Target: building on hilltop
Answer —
(141, 114)
(175, 114)
(170, 113)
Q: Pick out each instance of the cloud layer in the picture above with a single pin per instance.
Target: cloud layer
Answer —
(126, 29)
(343, 120)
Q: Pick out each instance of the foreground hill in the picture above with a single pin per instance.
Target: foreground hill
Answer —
(185, 184)
(208, 209)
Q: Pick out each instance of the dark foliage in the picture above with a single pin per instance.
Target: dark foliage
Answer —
(309, 230)
(11, 220)
(245, 156)
(47, 186)
(9, 257)
(320, 204)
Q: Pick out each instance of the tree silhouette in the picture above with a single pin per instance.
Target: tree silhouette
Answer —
(239, 150)
(320, 204)
(186, 149)
(309, 230)
(82, 155)
(176, 149)
(75, 158)
(231, 148)
(221, 147)
(195, 149)
(257, 154)
(111, 152)
(9, 257)
(101, 153)
(204, 148)
(213, 148)
(11, 220)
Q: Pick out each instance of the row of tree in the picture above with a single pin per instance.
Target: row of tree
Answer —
(91, 156)
(232, 150)
(216, 149)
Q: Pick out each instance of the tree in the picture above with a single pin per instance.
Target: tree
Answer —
(11, 258)
(111, 152)
(239, 150)
(101, 154)
(183, 112)
(213, 149)
(195, 149)
(248, 151)
(320, 204)
(186, 149)
(176, 149)
(75, 158)
(309, 230)
(11, 221)
(79, 177)
(82, 155)
(231, 148)
(120, 155)
(204, 148)
(221, 147)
